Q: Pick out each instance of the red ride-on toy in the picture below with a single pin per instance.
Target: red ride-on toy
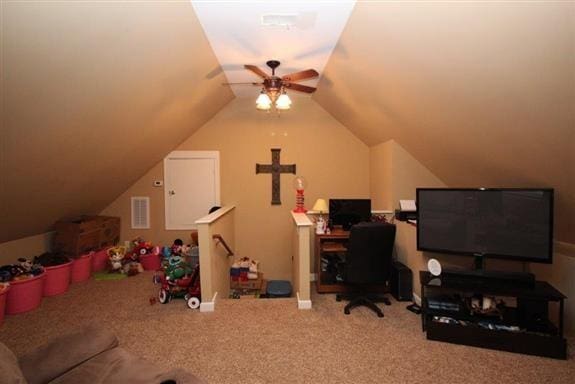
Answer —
(187, 287)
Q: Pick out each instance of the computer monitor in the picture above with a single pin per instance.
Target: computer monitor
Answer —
(347, 212)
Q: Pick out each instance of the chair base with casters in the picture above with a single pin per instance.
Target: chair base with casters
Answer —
(363, 299)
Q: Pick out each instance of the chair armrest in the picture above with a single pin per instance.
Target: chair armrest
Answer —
(65, 352)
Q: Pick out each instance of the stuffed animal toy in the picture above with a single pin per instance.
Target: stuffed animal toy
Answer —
(13, 272)
(25, 264)
(132, 268)
(166, 253)
(253, 270)
(142, 247)
(177, 268)
(177, 247)
(29, 267)
(186, 250)
(132, 265)
(115, 258)
(25, 269)
(8, 272)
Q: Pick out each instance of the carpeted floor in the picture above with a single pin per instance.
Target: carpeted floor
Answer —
(270, 341)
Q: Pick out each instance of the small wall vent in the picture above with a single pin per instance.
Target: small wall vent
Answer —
(140, 212)
(280, 20)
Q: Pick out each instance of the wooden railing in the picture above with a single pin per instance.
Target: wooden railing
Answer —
(223, 242)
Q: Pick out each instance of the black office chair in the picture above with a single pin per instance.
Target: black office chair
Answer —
(368, 264)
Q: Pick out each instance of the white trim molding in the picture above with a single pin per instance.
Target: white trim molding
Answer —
(215, 215)
(416, 299)
(301, 219)
(209, 306)
(303, 304)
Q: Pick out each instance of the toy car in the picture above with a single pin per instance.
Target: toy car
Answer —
(187, 287)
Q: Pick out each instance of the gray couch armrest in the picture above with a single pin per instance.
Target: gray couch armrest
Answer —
(65, 352)
(180, 376)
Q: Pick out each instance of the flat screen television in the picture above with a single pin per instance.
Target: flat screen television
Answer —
(510, 223)
(347, 212)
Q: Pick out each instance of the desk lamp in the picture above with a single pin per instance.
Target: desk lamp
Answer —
(321, 207)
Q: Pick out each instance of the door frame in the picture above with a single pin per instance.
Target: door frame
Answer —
(215, 155)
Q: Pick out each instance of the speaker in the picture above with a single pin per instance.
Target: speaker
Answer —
(401, 282)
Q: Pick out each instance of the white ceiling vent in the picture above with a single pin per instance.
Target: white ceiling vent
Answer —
(279, 20)
(140, 212)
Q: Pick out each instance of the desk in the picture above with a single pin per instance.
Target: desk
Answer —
(331, 245)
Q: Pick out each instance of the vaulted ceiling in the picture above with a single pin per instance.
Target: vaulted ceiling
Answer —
(95, 94)
(482, 94)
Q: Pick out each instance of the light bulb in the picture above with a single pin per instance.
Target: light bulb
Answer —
(263, 102)
(263, 106)
(283, 102)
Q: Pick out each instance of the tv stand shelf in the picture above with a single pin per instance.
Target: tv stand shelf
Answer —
(526, 328)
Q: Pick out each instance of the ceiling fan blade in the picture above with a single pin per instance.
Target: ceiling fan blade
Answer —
(307, 74)
(300, 88)
(257, 71)
(242, 83)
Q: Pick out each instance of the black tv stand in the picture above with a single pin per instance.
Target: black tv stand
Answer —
(480, 276)
(522, 325)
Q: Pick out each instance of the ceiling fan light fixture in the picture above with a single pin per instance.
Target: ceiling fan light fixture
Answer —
(273, 91)
(263, 102)
(263, 107)
(283, 102)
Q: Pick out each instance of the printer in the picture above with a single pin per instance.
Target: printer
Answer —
(407, 210)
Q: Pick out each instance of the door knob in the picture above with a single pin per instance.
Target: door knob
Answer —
(171, 193)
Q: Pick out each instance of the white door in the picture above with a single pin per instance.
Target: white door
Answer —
(192, 186)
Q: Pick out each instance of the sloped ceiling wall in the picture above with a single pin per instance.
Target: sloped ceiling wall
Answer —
(93, 95)
(482, 94)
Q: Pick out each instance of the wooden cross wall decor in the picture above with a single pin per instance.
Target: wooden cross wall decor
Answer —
(275, 168)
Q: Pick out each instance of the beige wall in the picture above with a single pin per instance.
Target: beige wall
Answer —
(334, 162)
(380, 176)
(395, 174)
(27, 247)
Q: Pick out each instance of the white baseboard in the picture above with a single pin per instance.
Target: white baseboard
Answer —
(303, 304)
(417, 299)
(209, 306)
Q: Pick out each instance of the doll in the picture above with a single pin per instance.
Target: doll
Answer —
(115, 258)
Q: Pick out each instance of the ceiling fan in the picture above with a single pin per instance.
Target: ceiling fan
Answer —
(274, 87)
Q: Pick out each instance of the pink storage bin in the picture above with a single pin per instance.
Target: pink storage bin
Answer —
(3, 295)
(100, 260)
(81, 268)
(57, 279)
(150, 262)
(25, 295)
